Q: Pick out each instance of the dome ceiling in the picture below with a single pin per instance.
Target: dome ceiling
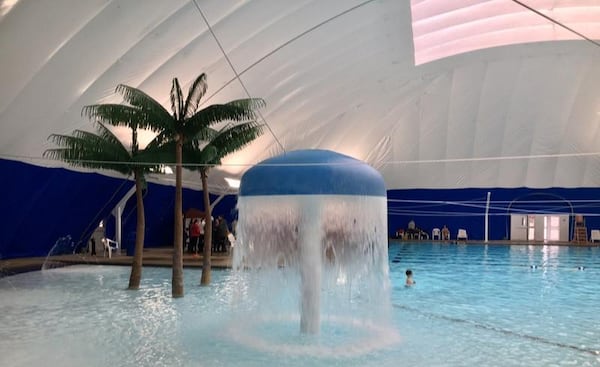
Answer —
(337, 75)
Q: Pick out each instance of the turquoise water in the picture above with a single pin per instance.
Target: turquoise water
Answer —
(472, 306)
(486, 305)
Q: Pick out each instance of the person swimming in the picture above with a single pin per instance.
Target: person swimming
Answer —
(409, 278)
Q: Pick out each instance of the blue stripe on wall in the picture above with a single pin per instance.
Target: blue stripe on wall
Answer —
(41, 205)
(465, 208)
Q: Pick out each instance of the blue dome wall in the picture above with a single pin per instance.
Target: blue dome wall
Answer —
(465, 208)
(41, 205)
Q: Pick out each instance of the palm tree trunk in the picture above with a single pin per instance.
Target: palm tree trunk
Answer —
(136, 267)
(205, 280)
(177, 281)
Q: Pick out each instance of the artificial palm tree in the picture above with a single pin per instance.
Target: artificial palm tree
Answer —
(223, 142)
(185, 122)
(105, 151)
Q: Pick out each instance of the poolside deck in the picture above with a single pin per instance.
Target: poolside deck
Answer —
(164, 257)
(152, 257)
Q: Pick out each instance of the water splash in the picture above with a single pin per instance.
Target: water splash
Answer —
(62, 246)
(317, 260)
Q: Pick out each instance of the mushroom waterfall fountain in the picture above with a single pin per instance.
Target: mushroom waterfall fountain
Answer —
(312, 232)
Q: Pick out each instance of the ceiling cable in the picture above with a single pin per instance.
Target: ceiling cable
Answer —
(556, 22)
(402, 162)
(291, 40)
(237, 76)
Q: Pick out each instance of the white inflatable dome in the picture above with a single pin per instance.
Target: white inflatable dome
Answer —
(432, 93)
(447, 100)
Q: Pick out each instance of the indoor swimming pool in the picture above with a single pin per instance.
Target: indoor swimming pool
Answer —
(472, 305)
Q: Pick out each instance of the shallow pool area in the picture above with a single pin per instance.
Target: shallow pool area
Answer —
(472, 305)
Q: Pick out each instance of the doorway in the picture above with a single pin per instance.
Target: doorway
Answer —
(551, 228)
(539, 227)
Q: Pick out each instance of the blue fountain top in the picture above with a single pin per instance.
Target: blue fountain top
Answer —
(312, 172)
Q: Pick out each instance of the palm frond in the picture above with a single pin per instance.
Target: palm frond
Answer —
(239, 110)
(85, 140)
(86, 149)
(152, 158)
(201, 137)
(233, 138)
(161, 139)
(114, 114)
(195, 94)
(200, 157)
(176, 100)
(157, 117)
(252, 104)
(106, 134)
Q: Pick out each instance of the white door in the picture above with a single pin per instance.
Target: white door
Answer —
(551, 228)
(518, 227)
(531, 228)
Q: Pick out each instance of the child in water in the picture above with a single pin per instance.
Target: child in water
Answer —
(409, 278)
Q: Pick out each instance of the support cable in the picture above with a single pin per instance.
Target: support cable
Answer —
(291, 40)
(556, 22)
(237, 75)
(421, 161)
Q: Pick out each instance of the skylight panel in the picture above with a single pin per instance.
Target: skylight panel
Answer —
(443, 28)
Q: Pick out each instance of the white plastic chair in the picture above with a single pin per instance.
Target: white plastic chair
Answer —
(595, 235)
(462, 235)
(109, 246)
(436, 234)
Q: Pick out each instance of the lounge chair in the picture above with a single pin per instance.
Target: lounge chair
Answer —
(436, 234)
(595, 235)
(110, 246)
(462, 235)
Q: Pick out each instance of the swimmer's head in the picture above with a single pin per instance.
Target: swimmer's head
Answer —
(408, 272)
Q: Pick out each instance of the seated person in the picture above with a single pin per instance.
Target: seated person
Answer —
(445, 233)
(412, 231)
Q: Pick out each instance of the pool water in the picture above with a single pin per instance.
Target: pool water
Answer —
(472, 305)
(498, 305)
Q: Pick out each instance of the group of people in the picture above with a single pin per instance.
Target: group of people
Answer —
(220, 236)
(414, 232)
